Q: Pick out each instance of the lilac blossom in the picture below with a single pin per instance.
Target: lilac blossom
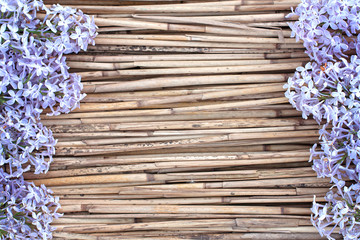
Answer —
(328, 28)
(328, 89)
(26, 210)
(339, 157)
(340, 213)
(33, 77)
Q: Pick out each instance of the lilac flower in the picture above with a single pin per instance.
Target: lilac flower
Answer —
(15, 97)
(51, 26)
(328, 88)
(21, 140)
(34, 76)
(340, 213)
(7, 6)
(26, 211)
(322, 26)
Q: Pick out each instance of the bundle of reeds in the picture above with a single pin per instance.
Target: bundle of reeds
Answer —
(185, 132)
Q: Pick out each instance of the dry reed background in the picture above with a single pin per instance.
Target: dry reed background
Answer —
(185, 132)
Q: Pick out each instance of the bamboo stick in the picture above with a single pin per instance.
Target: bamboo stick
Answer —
(99, 179)
(174, 91)
(119, 3)
(99, 138)
(177, 99)
(161, 82)
(172, 64)
(139, 49)
(145, 42)
(208, 103)
(74, 193)
(182, 57)
(109, 141)
(250, 18)
(298, 143)
(185, 8)
(200, 70)
(173, 125)
(115, 29)
(167, 165)
(214, 236)
(196, 234)
(93, 208)
(185, 201)
(204, 176)
(126, 22)
(65, 235)
(118, 117)
(144, 226)
(225, 106)
(181, 108)
(111, 98)
(173, 157)
(303, 220)
(196, 38)
(173, 19)
(255, 147)
(201, 188)
(121, 148)
(126, 178)
(300, 229)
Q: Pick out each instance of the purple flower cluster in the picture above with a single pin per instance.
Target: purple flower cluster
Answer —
(329, 28)
(26, 210)
(328, 88)
(34, 76)
(329, 91)
(341, 211)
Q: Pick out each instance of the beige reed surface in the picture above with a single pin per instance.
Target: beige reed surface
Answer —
(185, 132)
